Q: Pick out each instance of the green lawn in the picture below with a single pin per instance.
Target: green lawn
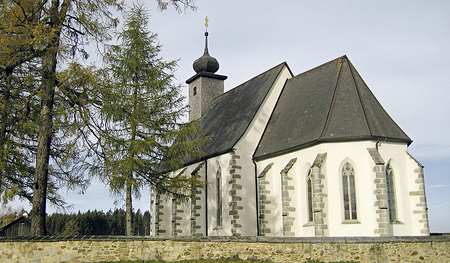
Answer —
(218, 261)
(188, 261)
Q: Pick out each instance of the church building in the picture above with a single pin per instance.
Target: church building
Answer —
(305, 155)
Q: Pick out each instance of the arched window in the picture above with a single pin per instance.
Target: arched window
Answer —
(348, 185)
(309, 191)
(174, 217)
(219, 197)
(390, 184)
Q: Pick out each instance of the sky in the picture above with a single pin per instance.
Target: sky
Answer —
(400, 48)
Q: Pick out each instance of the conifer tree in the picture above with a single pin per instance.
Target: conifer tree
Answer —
(46, 32)
(142, 109)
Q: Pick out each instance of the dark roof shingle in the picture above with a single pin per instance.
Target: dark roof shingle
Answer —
(328, 103)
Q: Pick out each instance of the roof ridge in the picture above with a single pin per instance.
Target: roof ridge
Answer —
(320, 66)
(332, 102)
(363, 106)
(243, 83)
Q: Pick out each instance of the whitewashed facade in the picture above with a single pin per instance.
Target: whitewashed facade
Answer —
(347, 185)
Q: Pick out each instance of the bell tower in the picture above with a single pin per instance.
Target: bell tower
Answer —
(205, 85)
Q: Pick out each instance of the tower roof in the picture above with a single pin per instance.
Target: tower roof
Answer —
(206, 63)
(329, 103)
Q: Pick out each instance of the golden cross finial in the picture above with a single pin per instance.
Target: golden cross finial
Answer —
(206, 23)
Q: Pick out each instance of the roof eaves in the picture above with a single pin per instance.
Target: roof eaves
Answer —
(206, 74)
(328, 140)
(354, 73)
(206, 157)
(284, 151)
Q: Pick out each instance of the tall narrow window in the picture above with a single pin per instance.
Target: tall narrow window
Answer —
(309, 191)
(195, 91)
(219, 197)
(174, 217)
(390, 184)
(348, 184)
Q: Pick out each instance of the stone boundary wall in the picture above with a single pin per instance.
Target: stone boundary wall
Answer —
(112, 248)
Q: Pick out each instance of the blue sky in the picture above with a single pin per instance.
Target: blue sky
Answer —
(400, 48)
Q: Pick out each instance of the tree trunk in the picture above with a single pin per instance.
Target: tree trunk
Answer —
(57, 13)
(5, 105)
(129, 210)
(129, 179)
(44, 141)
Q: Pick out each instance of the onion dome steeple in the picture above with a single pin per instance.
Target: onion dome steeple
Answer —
(205, 85)
(206, 63)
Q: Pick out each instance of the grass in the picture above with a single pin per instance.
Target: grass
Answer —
(188, 261)
(217, 261)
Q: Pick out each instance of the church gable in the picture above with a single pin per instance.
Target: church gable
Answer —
(229, 115)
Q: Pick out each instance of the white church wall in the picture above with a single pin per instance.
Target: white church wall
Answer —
(337, 154)
(153, 216)
(361, 161)
(295, 195)
(246, 146)
(409, 190)
(417, 197)
(395, 155)
(182, 214)
(246, 194)
(238, 175)
(407, 187)
(304, 226)
(302, 166)
(164, 227)
(193, 212)
(198, 211)
(215, 226)
(271, 202)
(174, 218)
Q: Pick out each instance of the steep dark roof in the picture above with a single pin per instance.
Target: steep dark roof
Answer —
(229, 115)
(326, 104)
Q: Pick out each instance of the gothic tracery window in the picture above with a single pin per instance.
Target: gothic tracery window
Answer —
(349, 193)
(219, 197)
(390, 184)
(309, 192)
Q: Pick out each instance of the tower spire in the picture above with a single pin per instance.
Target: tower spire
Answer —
(206, 35)
(205, 85)
(206, 63)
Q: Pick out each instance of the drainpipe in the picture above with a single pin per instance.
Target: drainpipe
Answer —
(256, 197)
(206, 197)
